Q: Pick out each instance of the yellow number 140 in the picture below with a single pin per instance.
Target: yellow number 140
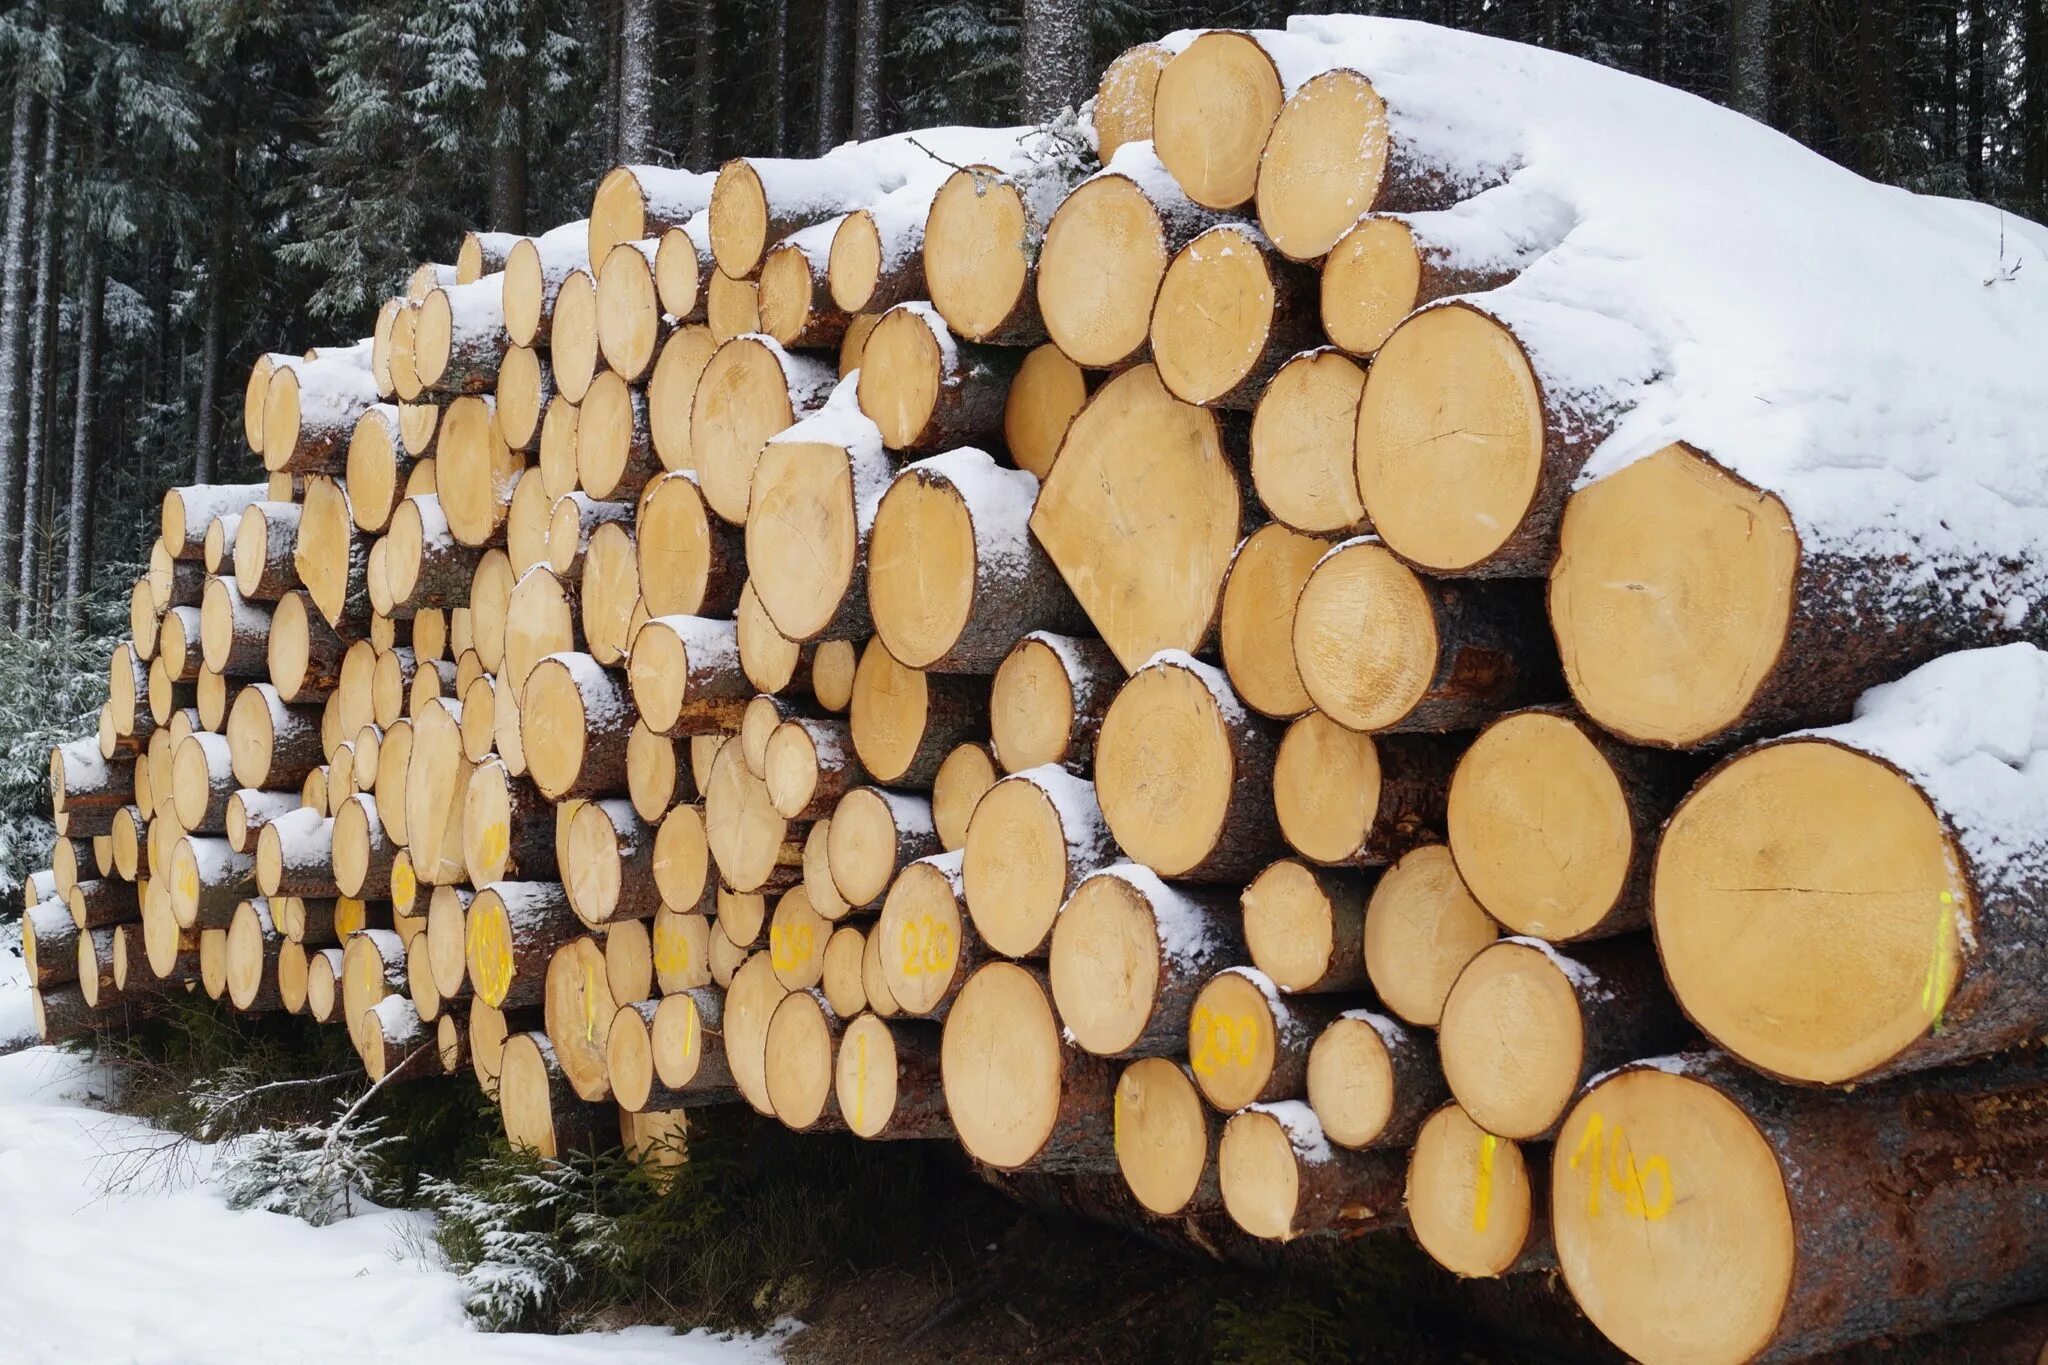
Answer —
(1607, 1158)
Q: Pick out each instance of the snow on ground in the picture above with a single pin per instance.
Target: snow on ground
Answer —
(157, 1276)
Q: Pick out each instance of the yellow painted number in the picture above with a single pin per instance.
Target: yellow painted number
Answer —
(790, 945)
(927, 947)
(589, 1002)
(1607, 1158)
(671, 951)
(1216, 1041)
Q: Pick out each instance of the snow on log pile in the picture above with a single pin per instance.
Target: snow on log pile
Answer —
(1554, 573)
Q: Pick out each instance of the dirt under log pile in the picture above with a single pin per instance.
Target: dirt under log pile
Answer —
(974, 639)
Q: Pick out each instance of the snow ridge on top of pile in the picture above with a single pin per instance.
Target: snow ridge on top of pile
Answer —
(1871, 355)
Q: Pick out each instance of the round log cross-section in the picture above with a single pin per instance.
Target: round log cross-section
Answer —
(1165, 1138)
(1471, 1200)
(953, 571)
(1212, 109)
(1421, 928)
(1554, 825)
(1230, 311)
(1829, 918)
(1703, 1213)
(1018, 1095)
(1185, 774)
(1034, 837)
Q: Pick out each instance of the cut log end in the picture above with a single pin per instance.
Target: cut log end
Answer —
(1304, 439)
(927, 950)
(978, 256)
(748, 840)
(1372, 279)
(962, 780)
(1105, 254)
(1016, 1093)
(1123, 97)
(1212, 109)
(1672, 527)
(629, 313)
(1323, 163)
(1141, 514)
(1421, 928)
(1303, 928)
(1164, 1137)
(742, 398)
(1801, 828)
(1365, 637)
(1228, 313)
(1471, 1202)
(1183, 775)
(1352, 1083)
(802, 1039)
(1043, 399)
(739, 219)
(1661, 1181)
(1540, 825)
(808, 541)
(1256, 626)
(902, 368)
(1451, 439)
(1513, 1040)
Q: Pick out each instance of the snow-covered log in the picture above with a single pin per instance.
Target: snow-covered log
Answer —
(1940, 847)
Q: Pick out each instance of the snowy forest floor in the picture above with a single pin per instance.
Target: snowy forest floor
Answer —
(90, 1201)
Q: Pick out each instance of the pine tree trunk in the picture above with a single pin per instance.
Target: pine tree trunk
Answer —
(832, 74)
(702, 86)
(1749, 58)
(636, 82)
(14, 304)
(1973, 104)
(41, 387)
(79, 519)
(1056, 57)
(207, 420)
(508, 169)
(2034, 127)
(872, 37)
(778, 77)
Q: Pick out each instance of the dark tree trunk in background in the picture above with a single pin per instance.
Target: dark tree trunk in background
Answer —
(1056, 58)
(703, 86)
(778, 75)
(1973, 103)
(78, 542)
(870, 40)
(2034, 97)
(508, 170)
(14, 306)
(41, 382)
(1952, 85)
(832, 74)
(636, 81)
(213, 340)
(1749, 58)
(611, 87)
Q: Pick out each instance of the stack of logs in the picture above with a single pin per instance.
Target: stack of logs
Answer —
(1055, 654)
